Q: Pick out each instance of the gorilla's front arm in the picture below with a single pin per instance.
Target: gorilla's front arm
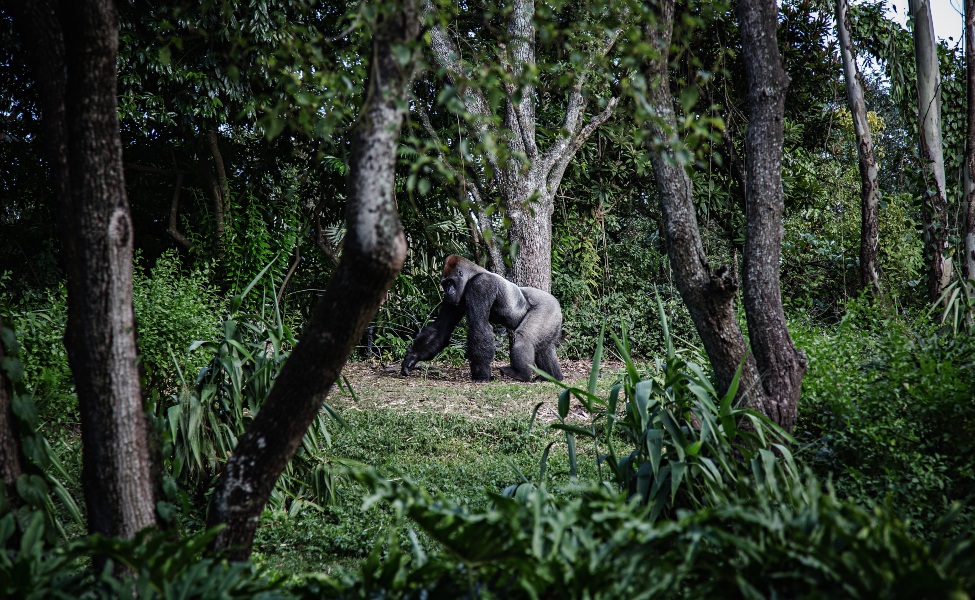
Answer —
(434, 337)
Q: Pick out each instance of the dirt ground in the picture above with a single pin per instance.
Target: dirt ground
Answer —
(448, 388)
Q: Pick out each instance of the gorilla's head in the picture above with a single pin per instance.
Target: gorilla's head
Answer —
(456, 272)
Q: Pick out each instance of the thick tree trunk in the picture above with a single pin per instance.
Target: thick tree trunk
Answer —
(75, 71)
(869, 183)
(374, 252)
(931, 151)
(709, 295)
(781, 365)
(968, 235)
(11, 458)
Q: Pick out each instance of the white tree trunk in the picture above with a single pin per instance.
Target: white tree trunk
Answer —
(931, 150)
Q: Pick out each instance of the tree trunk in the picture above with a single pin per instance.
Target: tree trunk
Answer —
(781, 365)
(525, 178)
(73, 50)
(931, 151)
(869, 183)
(219, 195)
(374, 252)
(11, 458)
(968, 235)
(709, 295)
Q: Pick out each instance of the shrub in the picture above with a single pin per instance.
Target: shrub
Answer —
(201, 424)
(155, 567)
(887, 413)
(172, 309)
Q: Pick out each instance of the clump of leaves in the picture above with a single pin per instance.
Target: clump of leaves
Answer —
(44, 477)
(155, 566)
(684, 444)
(203, 422)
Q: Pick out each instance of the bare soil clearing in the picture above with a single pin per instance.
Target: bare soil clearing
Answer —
(447, 388)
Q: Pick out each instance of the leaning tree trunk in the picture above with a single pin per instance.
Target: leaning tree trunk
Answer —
(968, 235)
(781, 365)
(72, 47)
(709, 295)
(869, 183)
(374, 252)
(931, 150)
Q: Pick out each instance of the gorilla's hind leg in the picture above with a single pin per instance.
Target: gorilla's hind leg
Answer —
(549, 362)
(522, 358)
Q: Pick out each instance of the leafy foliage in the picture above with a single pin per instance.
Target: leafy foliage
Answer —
(154, 567)
(886, 413)
(44, 476)
(204, 422)
(172, 308)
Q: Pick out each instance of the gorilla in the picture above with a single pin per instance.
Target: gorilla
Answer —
(534, 316)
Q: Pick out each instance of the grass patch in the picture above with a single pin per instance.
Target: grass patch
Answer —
(455, 438)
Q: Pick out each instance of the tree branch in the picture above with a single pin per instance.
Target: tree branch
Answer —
(173, 228)
(447, 55)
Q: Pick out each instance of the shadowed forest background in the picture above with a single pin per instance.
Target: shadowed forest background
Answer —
(223, 223)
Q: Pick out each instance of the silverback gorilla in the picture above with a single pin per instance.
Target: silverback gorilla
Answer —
(534, 316)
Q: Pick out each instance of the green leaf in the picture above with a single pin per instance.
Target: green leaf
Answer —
(596, 359)
(677, 471)
(402, 54)
(564, 404)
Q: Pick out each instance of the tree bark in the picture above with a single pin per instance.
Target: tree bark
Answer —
(869, 182)
(526, 186)
(709, 295)
(780, 364)
(11, 458)
(373, 254)
(931, 150)
(72, 47)
(968, 235)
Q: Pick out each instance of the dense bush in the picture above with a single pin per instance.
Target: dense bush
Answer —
(887, 414)
(797, 541)
(173, 308)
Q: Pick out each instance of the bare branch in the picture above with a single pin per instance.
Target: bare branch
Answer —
(577, 106)
(554, 176)
(173, 228)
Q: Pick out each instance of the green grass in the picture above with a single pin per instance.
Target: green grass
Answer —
(457, 439)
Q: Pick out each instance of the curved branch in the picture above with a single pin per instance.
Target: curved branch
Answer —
(173, 228)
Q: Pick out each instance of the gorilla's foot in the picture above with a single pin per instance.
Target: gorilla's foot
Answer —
(515, 374)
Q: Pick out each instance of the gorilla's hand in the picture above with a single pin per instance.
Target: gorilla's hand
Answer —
(409, 361)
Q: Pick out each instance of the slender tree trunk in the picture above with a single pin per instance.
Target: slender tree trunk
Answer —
(935, 207)
(968, 235)
(869, 183)
(780, 364)
(374, 252)
(219, 194)
(73, 50)
(11, 458)
(709, 295)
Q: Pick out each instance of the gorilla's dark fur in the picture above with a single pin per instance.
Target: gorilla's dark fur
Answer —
(534, 317)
